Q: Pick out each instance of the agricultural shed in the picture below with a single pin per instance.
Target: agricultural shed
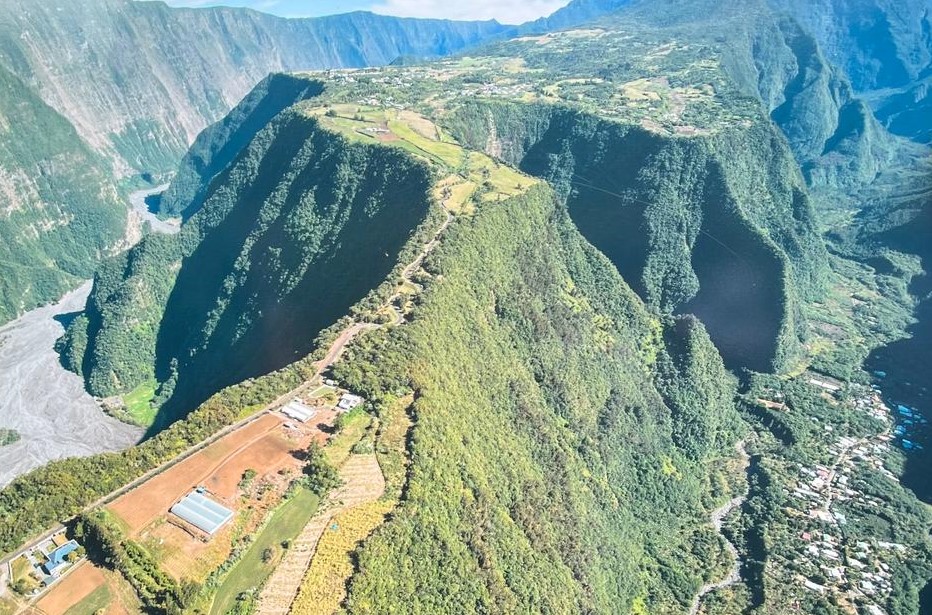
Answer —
(298, 411)
(202, 512)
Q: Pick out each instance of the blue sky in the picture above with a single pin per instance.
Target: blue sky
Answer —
(506, 11)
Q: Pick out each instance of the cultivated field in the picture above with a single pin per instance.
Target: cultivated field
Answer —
(363, 484)
(265, 444)
(77, 585)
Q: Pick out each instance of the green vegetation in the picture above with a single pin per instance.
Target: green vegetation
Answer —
(197, 316)
(53, 225)
(537, 477)
(251, 571)
(61, 489)
(321, 476)
(8, 436)
(93, 603)
(139, 407)
(690, 226)
(108, 546)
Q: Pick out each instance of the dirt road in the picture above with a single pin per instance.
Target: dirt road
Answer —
(44, 402)
(718, 519)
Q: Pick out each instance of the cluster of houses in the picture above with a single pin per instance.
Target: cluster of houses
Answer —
(908, 420)
(828, 560)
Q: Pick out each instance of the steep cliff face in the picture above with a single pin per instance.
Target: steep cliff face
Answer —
(220, 143)
(878, 43)
(296, 229)
(59, 211)
(770, 56)
(884, 47)
(99, 89)
(140, 80)
(690, 223)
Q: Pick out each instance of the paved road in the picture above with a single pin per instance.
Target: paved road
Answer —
(45, 403)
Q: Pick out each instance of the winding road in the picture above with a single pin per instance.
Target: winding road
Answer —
(718, 520)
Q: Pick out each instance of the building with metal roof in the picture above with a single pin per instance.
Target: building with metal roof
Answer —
(202, 512)
(58, 559)
(298, 411)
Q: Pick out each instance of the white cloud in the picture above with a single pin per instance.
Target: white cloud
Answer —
(505, 11)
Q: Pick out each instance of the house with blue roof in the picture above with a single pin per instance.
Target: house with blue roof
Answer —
(58, 559)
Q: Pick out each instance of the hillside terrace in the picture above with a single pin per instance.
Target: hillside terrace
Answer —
(659, 84)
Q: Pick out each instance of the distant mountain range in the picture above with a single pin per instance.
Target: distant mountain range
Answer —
(131, 84)
(119, 88)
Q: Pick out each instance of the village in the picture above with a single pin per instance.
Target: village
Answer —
(825, 557)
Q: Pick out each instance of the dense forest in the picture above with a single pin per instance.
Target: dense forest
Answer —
(690, 225)
(59, 208)
(577, 356)
(567, 437)
(331, 220)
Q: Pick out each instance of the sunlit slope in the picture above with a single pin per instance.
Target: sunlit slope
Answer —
(59, 211)
(548, 474)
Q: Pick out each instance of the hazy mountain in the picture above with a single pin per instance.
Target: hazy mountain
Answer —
(140, 80)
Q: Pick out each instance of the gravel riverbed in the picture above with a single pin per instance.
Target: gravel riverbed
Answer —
(46, 404)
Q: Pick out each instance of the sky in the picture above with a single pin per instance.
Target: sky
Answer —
(505, 11)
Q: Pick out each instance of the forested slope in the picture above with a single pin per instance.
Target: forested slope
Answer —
(297, 229)
(720, 226)
(768, 55)
(140, 80)
(884, 47)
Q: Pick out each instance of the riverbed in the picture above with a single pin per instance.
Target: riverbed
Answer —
(45, 403)
(138, 205)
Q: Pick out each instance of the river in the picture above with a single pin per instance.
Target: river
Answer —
(46, 404)
(42, 401)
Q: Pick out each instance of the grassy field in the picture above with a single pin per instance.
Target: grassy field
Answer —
(92, 603)
(354, 425)
(250, 572)
(21, 568)
(7, 607)
(139, 408)
(475, 173)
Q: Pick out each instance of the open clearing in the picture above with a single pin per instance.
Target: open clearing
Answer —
(80, 583)
(324, 586)
(272, 446)
(363, 483)
(251, 571)
(219, 467)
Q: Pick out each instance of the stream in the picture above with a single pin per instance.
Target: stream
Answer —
(137, 201)
(43, 402)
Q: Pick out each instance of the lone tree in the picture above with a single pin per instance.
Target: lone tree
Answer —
(321, 475)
